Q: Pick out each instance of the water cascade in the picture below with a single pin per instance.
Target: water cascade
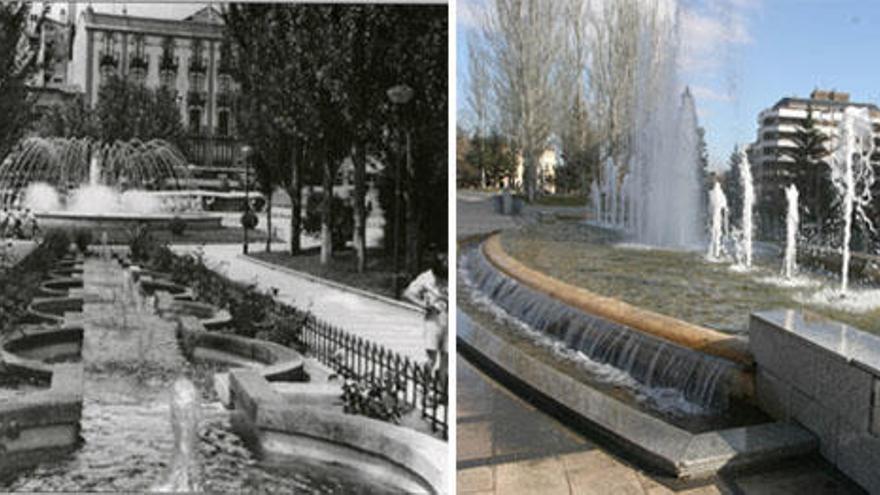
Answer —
(853, 177)
(748, 204)
(719, 222)
(702, 379)
(789, 264)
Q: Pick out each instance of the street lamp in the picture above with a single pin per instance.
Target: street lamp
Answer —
(399, 95)
(246, 155)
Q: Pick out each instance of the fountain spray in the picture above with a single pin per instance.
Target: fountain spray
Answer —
(718, 208)
(789, 264)
(853, 177)
(748, 188)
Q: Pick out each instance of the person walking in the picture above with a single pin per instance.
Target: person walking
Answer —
(429, 290)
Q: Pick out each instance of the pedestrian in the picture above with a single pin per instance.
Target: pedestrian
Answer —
(429, 291)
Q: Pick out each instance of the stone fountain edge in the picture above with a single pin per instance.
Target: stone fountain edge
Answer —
(652, 441)
(683, 333)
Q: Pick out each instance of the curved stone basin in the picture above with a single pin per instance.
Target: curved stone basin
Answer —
(41, 420)
(256, 363)
(119, 225)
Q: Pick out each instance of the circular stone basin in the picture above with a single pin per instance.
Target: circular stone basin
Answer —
(680, 284)
(127, 222)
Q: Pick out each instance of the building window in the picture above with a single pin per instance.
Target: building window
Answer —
(223, 123)
(195, 120)
(108, 61)
(139, 65)
(168, 64)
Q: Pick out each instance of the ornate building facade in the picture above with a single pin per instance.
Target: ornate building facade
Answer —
(184, 56)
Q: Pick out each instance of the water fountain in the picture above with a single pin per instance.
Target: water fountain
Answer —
(79, 182)
(719, 222)
(748, 204)
(792, 218)
(853, 177)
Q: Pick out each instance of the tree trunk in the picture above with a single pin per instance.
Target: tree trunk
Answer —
(326, 209)
(269, 221)
(295, 193)
(410, 214)
(360, 216)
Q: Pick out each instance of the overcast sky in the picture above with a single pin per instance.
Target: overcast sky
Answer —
(166, 10)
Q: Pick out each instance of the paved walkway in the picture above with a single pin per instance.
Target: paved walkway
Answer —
(392, 326)
(506, 446)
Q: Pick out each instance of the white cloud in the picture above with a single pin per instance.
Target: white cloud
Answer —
(705, 93)
(469, 13)
(710, 31)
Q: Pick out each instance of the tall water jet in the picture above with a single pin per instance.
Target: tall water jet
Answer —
(853, 177)
(185, 473)
(748, 188)
(792, 219)
(665, 141)
(719, 211)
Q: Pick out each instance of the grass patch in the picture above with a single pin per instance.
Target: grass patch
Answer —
(226, 235)
(342, 268)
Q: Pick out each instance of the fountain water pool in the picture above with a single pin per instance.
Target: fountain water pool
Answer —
(133, 384)
(81, 183)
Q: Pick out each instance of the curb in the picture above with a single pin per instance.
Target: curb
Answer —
(333, 284)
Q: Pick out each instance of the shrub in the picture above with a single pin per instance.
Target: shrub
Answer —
(373, 399)
(342, 224)
(82, 238)
(177, 226)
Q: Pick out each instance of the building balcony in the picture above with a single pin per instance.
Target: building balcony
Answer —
(109, 60)
(225, 99)
(197, 66)
(139, 63)
(195, 98)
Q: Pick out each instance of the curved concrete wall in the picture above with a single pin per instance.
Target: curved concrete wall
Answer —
(680, 332)
(45, 422)
(412, 459)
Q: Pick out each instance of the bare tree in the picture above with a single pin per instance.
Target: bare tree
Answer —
(478, 97)
(614, 39)
(525, 43)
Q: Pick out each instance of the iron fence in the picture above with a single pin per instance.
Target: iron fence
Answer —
(414, 383)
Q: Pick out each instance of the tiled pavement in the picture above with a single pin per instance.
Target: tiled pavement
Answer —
(506, 446)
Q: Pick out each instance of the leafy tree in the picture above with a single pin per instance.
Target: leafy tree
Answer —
(808, 169)
(496, 156)
(19, 50)
(128, 110)
(71, 119)
(732, 186)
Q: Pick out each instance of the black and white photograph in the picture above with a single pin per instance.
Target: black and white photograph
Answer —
(224, 247)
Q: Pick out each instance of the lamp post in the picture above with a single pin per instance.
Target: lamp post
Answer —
(246, 155)
(399, 96)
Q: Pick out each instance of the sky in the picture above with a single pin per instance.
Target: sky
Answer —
(742, 56)
(165, 10)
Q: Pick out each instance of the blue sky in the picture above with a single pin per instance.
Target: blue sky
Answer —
(744, 55)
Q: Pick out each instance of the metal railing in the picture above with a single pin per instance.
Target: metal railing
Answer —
(414, 383)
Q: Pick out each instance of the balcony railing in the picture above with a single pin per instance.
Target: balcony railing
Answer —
(109, 60)
(225, 99)
(214, 151)
(139, 63)
(195, 98)
(197, 66)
